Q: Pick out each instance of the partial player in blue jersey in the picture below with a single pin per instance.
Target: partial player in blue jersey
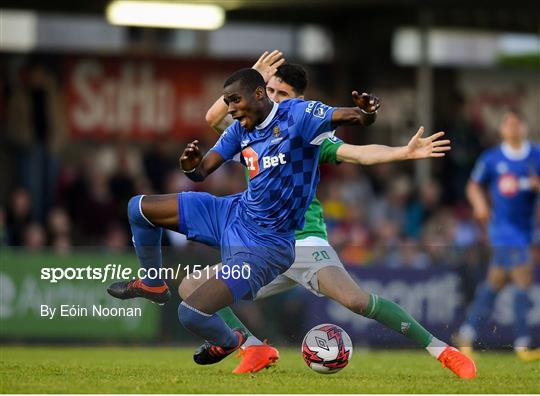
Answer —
(254, 229)
(503, 190)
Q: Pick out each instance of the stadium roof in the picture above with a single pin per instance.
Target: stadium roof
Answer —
(504, 15)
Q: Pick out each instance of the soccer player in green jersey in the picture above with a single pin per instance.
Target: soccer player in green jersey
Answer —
(317, 266)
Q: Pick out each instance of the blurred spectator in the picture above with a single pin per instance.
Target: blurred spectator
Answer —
(95, 209)
(116, 238)
(122, 188)
(117, 156)
(34, 237)
(465, 148)
(387, 240)
(392, 206)
(421, 209)
(355, 186)
(59, 230)
(36, 127)
(18, 216)
(437, 236)
(175, 181)
(333, 206)
(158, 163)
(351, 237)
(466, 231)
(58, 222)
(408, 255)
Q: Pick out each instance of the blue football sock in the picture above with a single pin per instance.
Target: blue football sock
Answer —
(210, 327)
(146, 239)
(521, 308)
(482, 306)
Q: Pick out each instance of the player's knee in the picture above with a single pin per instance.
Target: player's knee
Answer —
(135, 213)
(134, 209)
(523, 282)
(496, 280)
(522, 277)
(186, 287)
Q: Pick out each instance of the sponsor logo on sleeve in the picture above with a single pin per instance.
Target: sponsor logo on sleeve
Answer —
(320, 110)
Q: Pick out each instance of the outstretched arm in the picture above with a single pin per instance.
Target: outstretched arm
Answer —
(267, 65)
(197, 167)
(364, 113)
(417, 148)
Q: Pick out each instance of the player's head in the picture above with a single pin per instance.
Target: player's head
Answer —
(513, 127)
(289, 82)
(245, 94)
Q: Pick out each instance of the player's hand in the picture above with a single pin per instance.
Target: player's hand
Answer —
(268, 64)
(367, 102)
(481, 213)
(429, 147)
(191, 157)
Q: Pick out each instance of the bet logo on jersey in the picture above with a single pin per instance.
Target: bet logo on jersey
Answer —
(275, 160)
(251, 159)
(508, 185)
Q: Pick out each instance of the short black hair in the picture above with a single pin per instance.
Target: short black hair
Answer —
(294, 75)
(515, 111)
(250, 79)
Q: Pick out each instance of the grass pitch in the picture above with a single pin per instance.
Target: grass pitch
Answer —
(171, 370)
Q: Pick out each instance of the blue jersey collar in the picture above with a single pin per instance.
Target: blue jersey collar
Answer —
(516, 155)
(269, 118)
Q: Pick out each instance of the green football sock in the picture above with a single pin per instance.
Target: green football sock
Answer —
(393, 316)
(232, 320)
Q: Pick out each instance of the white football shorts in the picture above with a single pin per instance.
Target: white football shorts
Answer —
(312, 254)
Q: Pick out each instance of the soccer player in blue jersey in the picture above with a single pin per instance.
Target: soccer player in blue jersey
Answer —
(503, 190)
(254, 229)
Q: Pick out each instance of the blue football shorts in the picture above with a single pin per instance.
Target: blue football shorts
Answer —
(252, 255)
(509, 257)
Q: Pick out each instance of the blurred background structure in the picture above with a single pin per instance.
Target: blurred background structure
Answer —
(92, 113)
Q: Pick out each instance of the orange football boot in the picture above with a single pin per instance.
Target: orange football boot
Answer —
(462, 365)
(528, 355)
(255, 358)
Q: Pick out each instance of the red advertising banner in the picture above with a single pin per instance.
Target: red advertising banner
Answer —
(141, 98)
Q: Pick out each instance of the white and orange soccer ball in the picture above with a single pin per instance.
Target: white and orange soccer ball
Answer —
(327, 348)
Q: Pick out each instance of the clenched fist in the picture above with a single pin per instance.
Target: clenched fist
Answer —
(191, 157)
(366, 102)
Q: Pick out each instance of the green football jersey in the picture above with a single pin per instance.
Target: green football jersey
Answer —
(314, 224)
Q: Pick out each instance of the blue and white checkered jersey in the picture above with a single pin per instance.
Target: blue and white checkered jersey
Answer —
(507, 176)
(281, 155)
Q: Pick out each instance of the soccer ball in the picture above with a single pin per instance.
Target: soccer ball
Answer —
(327, 348)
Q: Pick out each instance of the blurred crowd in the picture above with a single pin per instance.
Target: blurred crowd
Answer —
(374, 216)
(66, 193)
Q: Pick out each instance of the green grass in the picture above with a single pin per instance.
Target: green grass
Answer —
(171, 370)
